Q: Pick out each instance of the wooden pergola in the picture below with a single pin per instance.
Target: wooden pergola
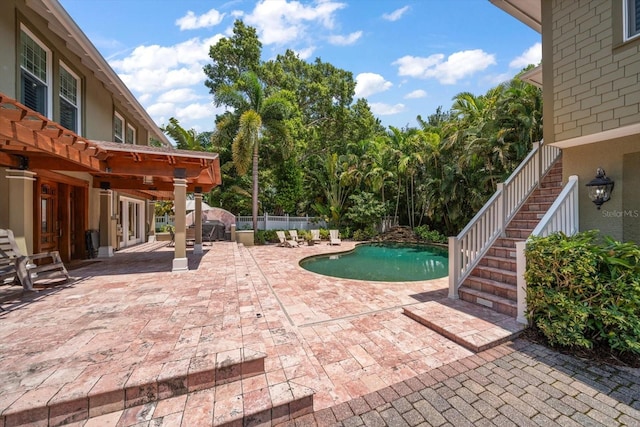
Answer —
(30, 141)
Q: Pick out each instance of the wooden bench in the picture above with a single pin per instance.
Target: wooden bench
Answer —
(25, 269)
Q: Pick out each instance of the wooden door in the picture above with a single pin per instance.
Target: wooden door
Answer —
(47, 213)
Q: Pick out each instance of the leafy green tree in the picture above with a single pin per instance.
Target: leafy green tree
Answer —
(231, 57)
(257, 114)
(365, 210)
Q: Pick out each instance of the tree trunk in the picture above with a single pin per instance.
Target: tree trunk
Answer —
(254, 194)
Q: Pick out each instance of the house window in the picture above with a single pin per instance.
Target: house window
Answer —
(632, 18)
(35, 73)
(69, 99)
(118, 128)
(131, 135)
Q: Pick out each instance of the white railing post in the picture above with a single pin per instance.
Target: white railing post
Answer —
(501, 208)
(266, 221)
(454, 266)
(521, 266)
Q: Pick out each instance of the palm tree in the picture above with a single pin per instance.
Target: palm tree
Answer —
(187, 139)
(260, 116)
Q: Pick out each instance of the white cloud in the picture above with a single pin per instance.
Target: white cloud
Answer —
(381, 109)
(154, 68)
(447, 71)
(197, 111)
(161, 109)
(158, 57)
(396, 14)
(416, 94)
(305, 53)
(192, 22)
(533, 55)
(178, 95)
(370, 83)
(282, 21)
(345, 40)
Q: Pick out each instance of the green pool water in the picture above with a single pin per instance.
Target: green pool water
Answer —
(384, 262)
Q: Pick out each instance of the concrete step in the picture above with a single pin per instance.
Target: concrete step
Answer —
(494, 274)
(507, 242)
(142, 386)
(529, 216)
(517, 233)
(494, 302)
(494, 287)
(536, 207)
(469, 325)
(523, 224)
(499, 262)
(502, 251)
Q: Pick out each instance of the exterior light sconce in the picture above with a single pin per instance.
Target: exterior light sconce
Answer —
(147, 180)
(600, 188)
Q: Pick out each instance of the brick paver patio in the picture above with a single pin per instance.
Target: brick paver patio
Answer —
(129, 318)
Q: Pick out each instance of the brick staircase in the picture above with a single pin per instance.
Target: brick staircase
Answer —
(492, 283)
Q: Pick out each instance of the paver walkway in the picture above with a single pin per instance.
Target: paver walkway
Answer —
(130, 317)
(516, 384)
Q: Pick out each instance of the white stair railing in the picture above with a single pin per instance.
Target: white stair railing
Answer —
(467, 248)
(561, 216)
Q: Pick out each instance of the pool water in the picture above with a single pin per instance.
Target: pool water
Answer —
(384, 262)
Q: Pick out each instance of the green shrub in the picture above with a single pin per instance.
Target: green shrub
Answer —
(432, 236)
(365, 234)
(584, 293)
(265, 236)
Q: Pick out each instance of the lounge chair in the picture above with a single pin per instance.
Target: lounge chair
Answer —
(315, 236)
(294, 236)
(27, 268)
(284, 242)
(334, 237)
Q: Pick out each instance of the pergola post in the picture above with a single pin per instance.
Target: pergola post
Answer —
(197, 246)
(151, 220)
(180, 262)
(106, 197)
(21, 207)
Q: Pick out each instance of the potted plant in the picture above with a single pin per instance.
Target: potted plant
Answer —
(309, 238)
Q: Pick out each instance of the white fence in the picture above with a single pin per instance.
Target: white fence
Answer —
(279, 222)
(467, 248)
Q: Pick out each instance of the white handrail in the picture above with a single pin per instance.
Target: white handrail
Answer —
(561, 216)
(467, 248)
(563, 213)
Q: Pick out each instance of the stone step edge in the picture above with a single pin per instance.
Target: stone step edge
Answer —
(286, 401)
(507, 325)
(228, 367)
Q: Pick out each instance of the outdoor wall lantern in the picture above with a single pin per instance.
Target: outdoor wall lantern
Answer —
(600, 188)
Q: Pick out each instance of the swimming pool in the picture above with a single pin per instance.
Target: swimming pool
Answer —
(384, 262)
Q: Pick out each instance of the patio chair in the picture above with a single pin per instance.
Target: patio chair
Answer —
(284, 242)
(27, 268)
(315, 236)
(334, 237)
(294, 236)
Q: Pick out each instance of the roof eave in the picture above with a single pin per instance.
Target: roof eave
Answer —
(529, 12)
(102, 67)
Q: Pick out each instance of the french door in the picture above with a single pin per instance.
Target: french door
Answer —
(131, 222)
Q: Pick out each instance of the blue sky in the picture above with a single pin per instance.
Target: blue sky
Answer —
(408, 57)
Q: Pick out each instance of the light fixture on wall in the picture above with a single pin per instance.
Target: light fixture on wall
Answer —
(147, 180)
(600, 188)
